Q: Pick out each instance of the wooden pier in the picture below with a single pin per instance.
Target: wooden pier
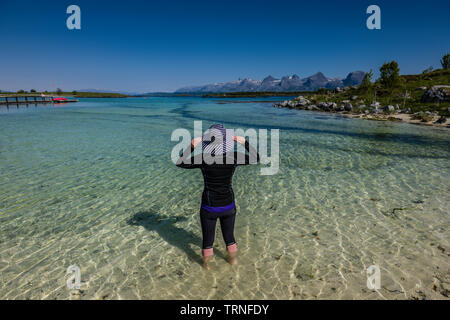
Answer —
(16, 99)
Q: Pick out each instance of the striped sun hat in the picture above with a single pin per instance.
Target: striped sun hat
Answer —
(218, 140)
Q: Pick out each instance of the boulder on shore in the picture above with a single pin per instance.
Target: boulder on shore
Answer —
(324, 106)
(301, 101)
(437, 94)
(377, 110)
(441, 120)
(389, 108)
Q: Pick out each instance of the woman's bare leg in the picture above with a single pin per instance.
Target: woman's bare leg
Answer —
(206, 262)
(232, 249)
(207, 254)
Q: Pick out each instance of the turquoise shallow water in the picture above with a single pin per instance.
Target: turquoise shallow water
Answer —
(92, 184)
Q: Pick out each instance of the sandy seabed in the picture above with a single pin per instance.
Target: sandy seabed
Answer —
(92, 185)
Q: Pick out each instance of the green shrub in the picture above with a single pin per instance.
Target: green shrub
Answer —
(445, 61)
(367, 80)
(428, 70)
(390, 75)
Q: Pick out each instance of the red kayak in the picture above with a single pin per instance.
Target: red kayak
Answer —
(59, 100)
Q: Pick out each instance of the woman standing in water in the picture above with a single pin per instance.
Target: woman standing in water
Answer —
(218, 196)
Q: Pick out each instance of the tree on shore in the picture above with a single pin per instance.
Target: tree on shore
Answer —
(390, 75)
(33, 91)
(445, 61)
(428, 70)
(74, 92)
(366, 82)
(366, 86)
(21, 91)
(58, 91)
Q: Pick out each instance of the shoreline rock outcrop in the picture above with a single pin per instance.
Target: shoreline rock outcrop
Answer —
(437, 94)
(373, 112)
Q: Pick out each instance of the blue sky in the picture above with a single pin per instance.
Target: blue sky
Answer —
(143, 46)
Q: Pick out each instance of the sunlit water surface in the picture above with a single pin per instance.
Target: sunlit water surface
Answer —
(92, 184)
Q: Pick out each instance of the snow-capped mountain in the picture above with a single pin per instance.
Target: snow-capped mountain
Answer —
(286, 83)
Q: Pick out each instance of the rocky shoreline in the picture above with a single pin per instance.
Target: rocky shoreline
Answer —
(355, 108)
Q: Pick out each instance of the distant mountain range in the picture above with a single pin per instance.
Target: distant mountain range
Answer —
(108, 91)
(287, 83)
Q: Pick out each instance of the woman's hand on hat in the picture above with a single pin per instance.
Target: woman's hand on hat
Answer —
(239, 139)
(195, 142)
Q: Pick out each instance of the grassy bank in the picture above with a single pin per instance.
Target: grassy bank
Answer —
(407, 95)
(96, 95)
(74, 94)
(418, 99)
